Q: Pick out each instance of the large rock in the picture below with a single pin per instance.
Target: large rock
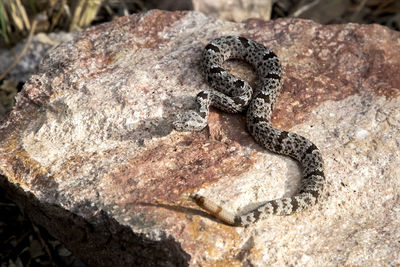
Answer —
(90, 153)
(234, 10)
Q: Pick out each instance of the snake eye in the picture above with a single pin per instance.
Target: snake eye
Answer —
(216, 70)
(269, 55)
(212, 47)
(239, 83)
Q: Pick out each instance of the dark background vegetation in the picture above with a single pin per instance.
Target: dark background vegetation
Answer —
(22, 243)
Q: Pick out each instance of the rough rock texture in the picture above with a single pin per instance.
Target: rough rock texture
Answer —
(90, 154)
(234, 10)
(26, 67)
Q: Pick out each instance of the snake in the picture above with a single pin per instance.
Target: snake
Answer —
(234, 95)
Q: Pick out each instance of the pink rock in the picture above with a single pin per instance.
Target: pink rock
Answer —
(90, 153)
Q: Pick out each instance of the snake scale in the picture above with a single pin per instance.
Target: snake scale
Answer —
(232, 94)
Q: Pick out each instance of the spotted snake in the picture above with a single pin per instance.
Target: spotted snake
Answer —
(234, 95)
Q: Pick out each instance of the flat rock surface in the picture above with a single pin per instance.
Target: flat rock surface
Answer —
(90, 153)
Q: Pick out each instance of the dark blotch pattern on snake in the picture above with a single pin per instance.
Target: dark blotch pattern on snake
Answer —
(234, 95)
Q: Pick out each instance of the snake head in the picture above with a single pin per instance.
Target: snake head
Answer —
(189, 121)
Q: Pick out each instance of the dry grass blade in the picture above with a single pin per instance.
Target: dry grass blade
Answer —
(58, 15)
(84, 13)
(18, 15)
(23, 14)
(19, 57)
(304, 7)
(358, 9)
(3, 22)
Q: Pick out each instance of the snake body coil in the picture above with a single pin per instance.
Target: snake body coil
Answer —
(232, 94)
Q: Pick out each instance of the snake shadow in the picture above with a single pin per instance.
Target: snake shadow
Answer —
(184, 210)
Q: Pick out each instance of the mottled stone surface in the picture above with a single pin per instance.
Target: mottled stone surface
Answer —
(90, 153)
(27, 66)
(234, 10)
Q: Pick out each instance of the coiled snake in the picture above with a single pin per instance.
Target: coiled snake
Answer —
(235, 95)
